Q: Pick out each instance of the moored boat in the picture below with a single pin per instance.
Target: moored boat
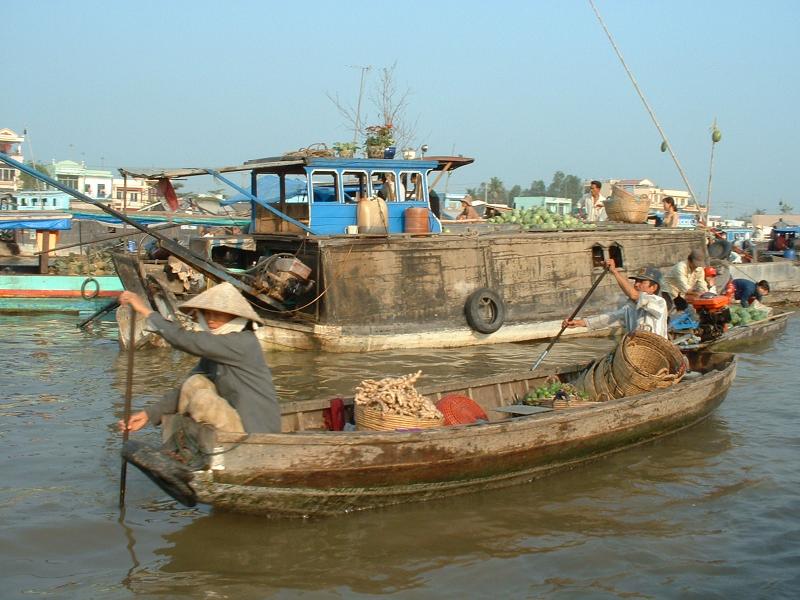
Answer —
(307, 470)
(740, 335)
(332, 267)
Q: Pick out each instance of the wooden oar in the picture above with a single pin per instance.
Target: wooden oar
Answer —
(127, 412)
(572, 316)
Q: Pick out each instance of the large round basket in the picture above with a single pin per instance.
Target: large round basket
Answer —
(604, 383)
(645, 361)
(375, 420)
(625, 207)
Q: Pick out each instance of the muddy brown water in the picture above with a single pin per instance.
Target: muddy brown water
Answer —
(711, 512)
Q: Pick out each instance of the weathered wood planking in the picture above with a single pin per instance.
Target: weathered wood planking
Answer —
(332, 472)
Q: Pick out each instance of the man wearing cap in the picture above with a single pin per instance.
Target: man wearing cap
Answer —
(687, 278)
(231, 387)
(645, 309)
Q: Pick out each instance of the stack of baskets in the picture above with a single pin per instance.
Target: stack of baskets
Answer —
(641, 362)
(625, 207)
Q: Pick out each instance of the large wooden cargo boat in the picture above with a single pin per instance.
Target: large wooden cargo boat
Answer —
(468, 284)
(333, 268)
(310, 471)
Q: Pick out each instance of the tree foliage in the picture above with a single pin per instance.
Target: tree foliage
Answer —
(785, 207)
(561, 186)
(31, 183)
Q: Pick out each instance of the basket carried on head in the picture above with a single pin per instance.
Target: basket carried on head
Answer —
(625, 207)
(645, 361)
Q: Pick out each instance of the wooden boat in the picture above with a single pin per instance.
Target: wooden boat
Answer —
(384, 287)
(307, 470)
(742, 334)
(57, 293)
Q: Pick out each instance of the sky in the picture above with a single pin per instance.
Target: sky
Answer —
(525, 88)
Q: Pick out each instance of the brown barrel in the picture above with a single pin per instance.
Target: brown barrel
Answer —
(416, 220)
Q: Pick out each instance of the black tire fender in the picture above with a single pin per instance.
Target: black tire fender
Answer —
(485, 310)
(86, 282)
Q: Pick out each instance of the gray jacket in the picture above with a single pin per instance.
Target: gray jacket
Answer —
(236, 365)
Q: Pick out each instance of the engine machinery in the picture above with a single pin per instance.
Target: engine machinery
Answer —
(281, 277)
(713, 316)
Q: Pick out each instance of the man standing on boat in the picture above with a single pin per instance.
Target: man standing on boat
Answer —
(594, 203)
(231, 387)
(645, 309)
(687, 278)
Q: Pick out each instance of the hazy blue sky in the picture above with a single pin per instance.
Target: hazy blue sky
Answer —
(526, 88)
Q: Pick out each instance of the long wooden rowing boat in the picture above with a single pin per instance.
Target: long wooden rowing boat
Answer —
(737, 336)
(307, 470)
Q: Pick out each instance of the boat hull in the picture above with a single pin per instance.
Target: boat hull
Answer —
(378, 293)
(741, 335)
(56, 293)
(308, 473)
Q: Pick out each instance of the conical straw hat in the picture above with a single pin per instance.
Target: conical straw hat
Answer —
(223, 298)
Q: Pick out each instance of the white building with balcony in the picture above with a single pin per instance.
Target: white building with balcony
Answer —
(11, 144)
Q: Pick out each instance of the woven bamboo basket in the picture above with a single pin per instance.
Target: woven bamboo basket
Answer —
(645, 361)
(604, 383)
(625, 207)
(375, 420)
(586, 381)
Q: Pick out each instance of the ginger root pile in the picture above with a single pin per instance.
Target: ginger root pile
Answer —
(397, 396)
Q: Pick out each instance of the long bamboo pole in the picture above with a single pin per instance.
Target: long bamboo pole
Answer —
(127, 411)
(646, 104)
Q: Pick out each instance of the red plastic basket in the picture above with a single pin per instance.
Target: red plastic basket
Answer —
(460, 410)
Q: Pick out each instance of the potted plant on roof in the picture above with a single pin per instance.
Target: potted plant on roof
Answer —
(379, 137)
(345, 149)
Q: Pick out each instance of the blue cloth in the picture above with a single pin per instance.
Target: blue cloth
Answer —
(682, 321)
(744, 290)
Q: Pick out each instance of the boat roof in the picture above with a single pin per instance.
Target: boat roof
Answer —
(289, 165)
(34, 219)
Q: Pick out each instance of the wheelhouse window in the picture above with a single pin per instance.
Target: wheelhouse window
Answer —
(412, 181)
(384, 185)
(324, 186)
(354, 184)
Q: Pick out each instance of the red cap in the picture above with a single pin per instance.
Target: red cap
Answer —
(710, 272)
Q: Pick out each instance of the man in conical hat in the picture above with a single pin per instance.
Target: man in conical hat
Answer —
(231, 387)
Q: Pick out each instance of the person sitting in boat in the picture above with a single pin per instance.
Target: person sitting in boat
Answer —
(687, 278)
(645, 310)
(467, 210)
(231, 387)
(747, 290)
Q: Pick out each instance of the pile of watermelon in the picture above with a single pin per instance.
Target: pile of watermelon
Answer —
(744, 316)
(540, 218)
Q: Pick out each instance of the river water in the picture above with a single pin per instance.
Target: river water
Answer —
(711, 512)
